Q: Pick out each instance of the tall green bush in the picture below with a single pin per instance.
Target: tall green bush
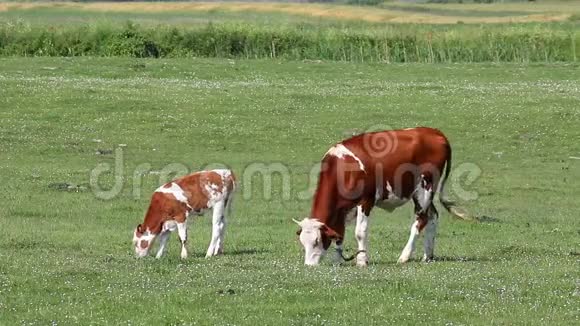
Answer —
(393, 43)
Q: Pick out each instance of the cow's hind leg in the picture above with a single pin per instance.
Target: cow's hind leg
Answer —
(218, 229)
(422, 198)
(416, 228)
(430, 231)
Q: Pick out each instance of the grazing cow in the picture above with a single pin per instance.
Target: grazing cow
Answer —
(172, 203)
(384, 169)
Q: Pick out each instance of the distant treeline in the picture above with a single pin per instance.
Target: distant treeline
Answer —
(359, 2)
(394, 43)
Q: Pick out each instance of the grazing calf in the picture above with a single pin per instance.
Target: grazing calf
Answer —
(384, 169)
(172, 203)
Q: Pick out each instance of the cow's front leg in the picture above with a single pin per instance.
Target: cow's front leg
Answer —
(182, 231)
(338, 256)
(163, 238)
(361, 234)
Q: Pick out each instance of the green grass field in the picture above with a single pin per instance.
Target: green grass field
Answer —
(66, 256)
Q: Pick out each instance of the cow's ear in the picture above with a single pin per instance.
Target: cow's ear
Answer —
(298, 231)
(139, 229)
(330, 233)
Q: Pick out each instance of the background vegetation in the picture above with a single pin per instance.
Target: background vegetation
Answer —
(389, 32)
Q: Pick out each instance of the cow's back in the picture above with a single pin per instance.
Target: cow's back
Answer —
(393, 157)
(397, 146)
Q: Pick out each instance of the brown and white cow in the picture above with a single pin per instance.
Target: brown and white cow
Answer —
(384, 169)
(172, 203)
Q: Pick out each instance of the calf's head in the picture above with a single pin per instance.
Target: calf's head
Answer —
(315, 237)
(142, 241)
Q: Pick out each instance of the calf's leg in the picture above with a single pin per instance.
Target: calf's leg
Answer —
(163, 238)
(218, 230)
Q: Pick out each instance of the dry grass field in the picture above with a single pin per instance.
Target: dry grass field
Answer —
(386, 13)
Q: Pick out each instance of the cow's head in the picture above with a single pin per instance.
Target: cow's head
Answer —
(315, 237)
(142, 241)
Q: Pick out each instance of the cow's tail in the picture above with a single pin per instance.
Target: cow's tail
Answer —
(449, 205)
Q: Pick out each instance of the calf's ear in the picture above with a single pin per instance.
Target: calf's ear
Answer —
(298, 231)
(139, 230)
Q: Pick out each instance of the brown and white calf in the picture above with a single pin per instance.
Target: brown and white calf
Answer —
(384, 169)
(172, 203)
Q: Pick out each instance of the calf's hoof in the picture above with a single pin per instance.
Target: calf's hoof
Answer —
(402, 260)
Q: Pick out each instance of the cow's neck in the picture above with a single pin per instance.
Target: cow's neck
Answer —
(324, 203)
(153, 219)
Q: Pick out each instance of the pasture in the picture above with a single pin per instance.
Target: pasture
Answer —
(65, 252)
(266, 89)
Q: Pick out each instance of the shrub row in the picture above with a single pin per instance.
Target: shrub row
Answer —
(516, 43)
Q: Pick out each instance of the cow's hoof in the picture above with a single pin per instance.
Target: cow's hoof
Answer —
(213, 253)
(428, 259)
(362, 260)
(362, 263)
